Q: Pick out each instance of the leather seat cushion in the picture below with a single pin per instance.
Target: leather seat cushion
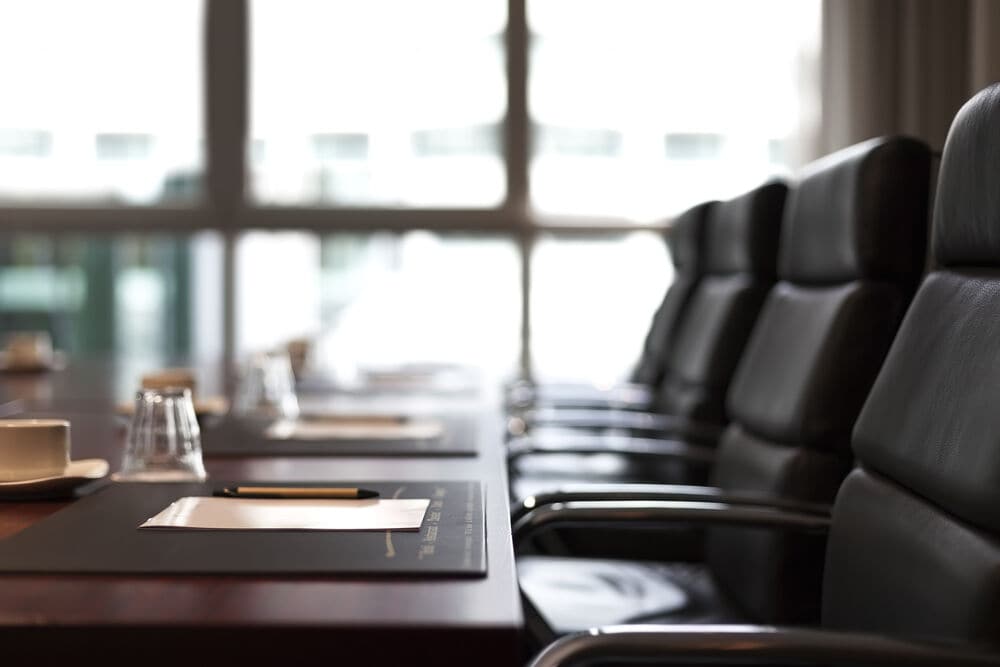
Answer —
(812, 359)
(774, 577)
(900, 566)
(707, 347)
(932, 421)
(574, 594)
(755, 466)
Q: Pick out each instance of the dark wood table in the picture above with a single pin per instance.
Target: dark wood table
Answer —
(260, 620)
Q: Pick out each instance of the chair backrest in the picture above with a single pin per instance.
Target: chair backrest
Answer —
(741, 246)
(852, 252)
(686, 242)
(915, 543)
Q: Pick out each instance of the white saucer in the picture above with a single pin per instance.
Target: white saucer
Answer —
(77, 473)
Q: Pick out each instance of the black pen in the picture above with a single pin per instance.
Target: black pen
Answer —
(339, 493)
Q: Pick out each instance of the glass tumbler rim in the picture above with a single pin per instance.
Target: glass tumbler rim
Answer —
(165, 392)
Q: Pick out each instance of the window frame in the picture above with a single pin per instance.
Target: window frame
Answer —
(225, 207)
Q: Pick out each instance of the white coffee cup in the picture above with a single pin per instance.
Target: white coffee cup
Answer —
(170, 377)
(33, 448)
(29, 349)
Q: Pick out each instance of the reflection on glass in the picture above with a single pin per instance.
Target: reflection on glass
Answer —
(381, 299)
(641, 108)
(101, 101)
(383, 102)
(592, 301)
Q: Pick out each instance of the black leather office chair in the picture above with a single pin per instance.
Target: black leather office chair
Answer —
(741, 245)
(692, 375)
(852, 252)
(686, 243)
(913, 564)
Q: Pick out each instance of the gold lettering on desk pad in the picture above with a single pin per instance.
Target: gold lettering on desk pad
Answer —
(432, 519)
(470, 514)
(429, 542)
(390, 550)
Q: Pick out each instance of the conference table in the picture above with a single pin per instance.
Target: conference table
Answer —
(261, 619)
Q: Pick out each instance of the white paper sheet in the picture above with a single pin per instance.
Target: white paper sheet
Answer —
(211, 513)
(336, 428)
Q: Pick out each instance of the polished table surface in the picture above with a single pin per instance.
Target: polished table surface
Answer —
(263, 620)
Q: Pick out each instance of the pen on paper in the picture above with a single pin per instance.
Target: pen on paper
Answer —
(340, 493)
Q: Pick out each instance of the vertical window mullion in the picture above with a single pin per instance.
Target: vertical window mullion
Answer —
(226, 33)
(227, 28)
(518, 143)
(517, 126)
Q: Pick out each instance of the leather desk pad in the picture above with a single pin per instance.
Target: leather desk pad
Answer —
(98, 535)
(232, 437)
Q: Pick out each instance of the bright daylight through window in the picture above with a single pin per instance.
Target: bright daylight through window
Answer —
(377, 103)
(101, 102)
(641, 108)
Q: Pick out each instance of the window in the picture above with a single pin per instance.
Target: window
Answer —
(642, 108)
(402, 102)
(101, 101)
(425, 145)
(149, 298)
(592, 300)
(378, 299)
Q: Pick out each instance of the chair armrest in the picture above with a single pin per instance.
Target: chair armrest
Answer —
(598, 418)
(746, 644)
(614, 400)
(675, 492)
(657, 513)
(624, 446)
(524, 395)
(644, 423)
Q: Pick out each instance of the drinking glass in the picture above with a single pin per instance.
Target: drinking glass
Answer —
(267, 387)
(164, 441)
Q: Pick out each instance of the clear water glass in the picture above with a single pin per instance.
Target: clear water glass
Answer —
(267, 387)
(164, 440)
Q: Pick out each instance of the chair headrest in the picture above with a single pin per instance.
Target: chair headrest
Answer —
(743, 232)
(686, 238)
(967, 209)
(859, 213)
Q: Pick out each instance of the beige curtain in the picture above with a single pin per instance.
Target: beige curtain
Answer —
(902, 66)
